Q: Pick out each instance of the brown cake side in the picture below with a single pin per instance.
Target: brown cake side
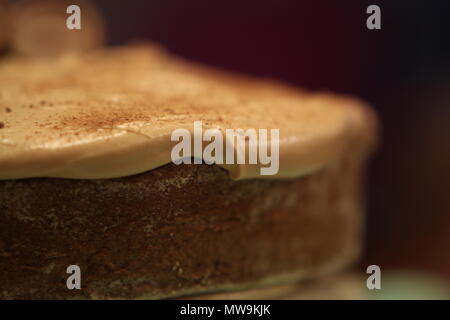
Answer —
(176, 230)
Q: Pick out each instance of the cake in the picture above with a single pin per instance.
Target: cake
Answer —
(87, 179)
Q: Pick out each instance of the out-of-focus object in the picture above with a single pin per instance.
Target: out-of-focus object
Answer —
(346, 286)
(39, 28)
(4, 23)
(404, 285)
(411, 285)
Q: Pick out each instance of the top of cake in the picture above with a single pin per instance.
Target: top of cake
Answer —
(110, 113)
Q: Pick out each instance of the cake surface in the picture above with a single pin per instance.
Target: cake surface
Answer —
(110, 114)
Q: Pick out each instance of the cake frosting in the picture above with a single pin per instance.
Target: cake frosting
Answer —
(110, 113)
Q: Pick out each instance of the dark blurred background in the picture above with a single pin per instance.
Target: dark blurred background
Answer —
(403, 70)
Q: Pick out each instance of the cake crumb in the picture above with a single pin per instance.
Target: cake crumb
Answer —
(7, 109)
(2, 125)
